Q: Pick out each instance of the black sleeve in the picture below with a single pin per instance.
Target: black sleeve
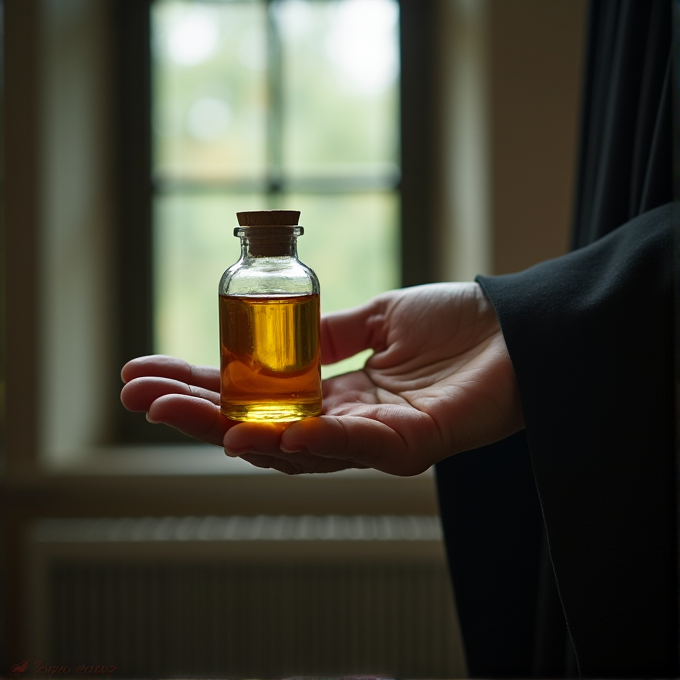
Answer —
(590, 336)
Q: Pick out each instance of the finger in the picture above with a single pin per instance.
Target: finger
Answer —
(162, 366)
(195, 417)
(359, 440)
(260, 444)
(270, 463)
(344, 334)
(262, 438)
(296, 466)
(263, 462)
(140, 393)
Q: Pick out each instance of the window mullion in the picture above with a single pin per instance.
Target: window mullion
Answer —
(275, 108)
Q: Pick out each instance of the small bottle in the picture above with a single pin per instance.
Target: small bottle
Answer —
(269, 324)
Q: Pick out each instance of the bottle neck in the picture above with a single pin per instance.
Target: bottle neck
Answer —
(259, 242)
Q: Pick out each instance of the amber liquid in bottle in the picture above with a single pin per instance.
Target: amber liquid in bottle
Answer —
(270, 357)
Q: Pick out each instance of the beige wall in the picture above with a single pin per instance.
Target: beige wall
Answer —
(509, 89)
(535, 61)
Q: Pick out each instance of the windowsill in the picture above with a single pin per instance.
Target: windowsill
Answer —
(175, 459)
(153, 460)
(197, 479)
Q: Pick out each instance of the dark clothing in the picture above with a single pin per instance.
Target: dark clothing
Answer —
(593, 357)
(590, 336)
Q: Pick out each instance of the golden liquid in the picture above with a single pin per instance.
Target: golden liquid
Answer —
(270, 357)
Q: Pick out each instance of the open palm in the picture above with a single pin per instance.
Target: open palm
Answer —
(439, 381)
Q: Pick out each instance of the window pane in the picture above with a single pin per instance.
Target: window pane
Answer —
(211, 121)
(193, 245)
(340, 80)
(209, 96)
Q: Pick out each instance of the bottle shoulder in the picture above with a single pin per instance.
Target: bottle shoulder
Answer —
(268, 275)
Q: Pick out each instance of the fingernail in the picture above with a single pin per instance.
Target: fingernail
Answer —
(291, 450)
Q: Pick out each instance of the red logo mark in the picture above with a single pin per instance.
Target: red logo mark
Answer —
(19, 668)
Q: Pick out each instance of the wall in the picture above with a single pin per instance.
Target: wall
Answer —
(507, 113)
(535, 57)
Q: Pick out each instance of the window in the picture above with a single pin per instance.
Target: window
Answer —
(281, 104)
(244, 104)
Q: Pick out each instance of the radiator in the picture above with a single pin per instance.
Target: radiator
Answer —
(244, 597)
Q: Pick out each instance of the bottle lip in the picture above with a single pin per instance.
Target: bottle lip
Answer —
(268, 231)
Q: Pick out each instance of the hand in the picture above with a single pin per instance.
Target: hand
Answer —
(440, 381)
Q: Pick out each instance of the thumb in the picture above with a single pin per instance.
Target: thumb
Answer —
(346, 333)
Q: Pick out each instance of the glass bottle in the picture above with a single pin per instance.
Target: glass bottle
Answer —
(269, 324)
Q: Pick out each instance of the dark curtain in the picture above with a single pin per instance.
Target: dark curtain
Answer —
(512, 616)
(626, 149)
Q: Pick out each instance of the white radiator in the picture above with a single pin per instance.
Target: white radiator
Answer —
(244, 596)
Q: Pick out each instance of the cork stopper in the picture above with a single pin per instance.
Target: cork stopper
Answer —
(277, 239)
(268, 218)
